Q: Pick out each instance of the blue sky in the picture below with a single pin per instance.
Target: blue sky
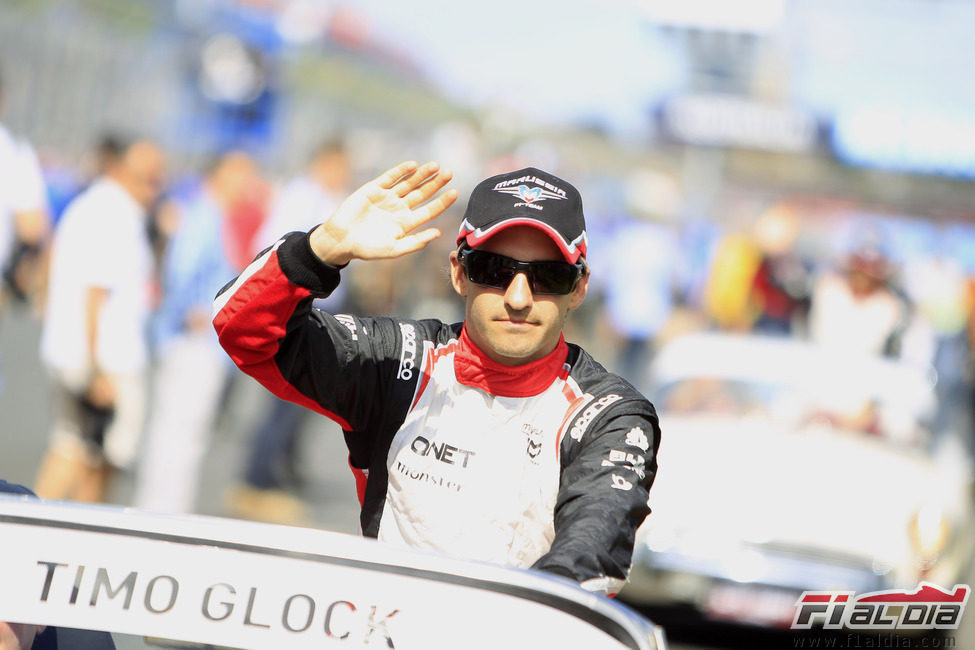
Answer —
(555, 60)
(868, 66)
(567, 57)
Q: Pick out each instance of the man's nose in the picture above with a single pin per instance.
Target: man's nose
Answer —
(518, 295)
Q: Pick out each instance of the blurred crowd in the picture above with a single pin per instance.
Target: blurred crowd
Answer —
(120, 256)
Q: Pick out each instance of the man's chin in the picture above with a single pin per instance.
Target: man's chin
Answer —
(513, 353)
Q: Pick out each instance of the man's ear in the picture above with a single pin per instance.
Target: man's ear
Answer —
(579, 293)
(458, 278)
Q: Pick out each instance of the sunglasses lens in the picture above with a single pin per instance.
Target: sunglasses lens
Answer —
(554, 277)
(497, 271)
(489, 270)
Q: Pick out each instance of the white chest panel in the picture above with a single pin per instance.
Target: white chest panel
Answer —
(475, 475)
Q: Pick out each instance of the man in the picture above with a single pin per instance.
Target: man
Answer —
(270, 477)
(191, 370)
(25, 219)
(491, 439)
(93, 339)
(320, 187)
(854, 308)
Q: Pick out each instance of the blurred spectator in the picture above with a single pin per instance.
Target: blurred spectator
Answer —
(108, 151)
(25, 221)
(782, 282)
(641, 285)
(270, 477)
(93, 339)
(642, 275)
(855, 308)
(728, 301)
(757, 280)
(245, 219)
(66, 181)
(191, 370)
(309, 198)
(938, 285)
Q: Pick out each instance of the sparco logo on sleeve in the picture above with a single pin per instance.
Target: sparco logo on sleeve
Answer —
(349, 323)
(407, 360)
(590, 414)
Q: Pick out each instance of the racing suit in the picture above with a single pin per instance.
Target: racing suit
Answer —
(545, 465)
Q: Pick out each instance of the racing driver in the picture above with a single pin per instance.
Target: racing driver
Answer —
(491, 439)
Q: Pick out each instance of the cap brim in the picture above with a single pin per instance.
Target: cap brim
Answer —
(572, 251)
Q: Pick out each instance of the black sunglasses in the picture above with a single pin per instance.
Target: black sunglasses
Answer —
(497, 271)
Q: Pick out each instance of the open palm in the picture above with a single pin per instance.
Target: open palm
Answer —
(378, 220)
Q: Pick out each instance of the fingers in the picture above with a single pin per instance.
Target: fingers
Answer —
(413, 243)
(416, 179)
(406, 195)
(429, 187)
(436, 207)
(430, 211)
(416, 183)
(388, 178)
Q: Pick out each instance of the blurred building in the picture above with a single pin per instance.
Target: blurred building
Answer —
(841, 109)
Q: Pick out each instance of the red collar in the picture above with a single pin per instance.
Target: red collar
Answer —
(474, 368)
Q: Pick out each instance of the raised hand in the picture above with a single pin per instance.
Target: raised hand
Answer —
(378, 220)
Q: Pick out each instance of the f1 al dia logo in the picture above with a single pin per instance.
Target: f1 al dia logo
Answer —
(928, 607)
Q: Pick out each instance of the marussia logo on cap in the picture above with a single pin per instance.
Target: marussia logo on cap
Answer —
(530, 195)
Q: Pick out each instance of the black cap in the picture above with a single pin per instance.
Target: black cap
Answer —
(527, 197)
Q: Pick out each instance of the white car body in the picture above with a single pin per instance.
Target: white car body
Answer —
(199, 581)
(760, 496)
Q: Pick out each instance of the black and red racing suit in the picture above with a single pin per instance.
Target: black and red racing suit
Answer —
(545, 465)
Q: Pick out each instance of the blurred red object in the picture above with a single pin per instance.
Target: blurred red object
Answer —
(242, 221)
